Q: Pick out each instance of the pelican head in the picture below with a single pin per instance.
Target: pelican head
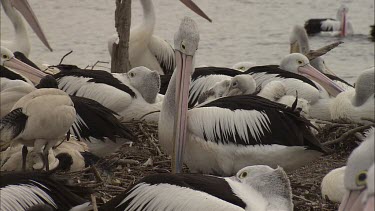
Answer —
(8, 60)
(355, 178)
(273, 184)
(241, 85)
(146, 81)
(364, 87)
(298, 63)
(220, 89)
(186, 42)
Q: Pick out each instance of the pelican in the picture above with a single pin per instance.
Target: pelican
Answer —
(355, 178)
(243, 66)
(186, 191)
(356, 104)
(39, 191)
(21, 40)
(229, 133)
(341, 26)
(111, 90)
(146, 49)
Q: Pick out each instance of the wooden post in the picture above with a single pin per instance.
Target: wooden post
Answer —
(120, 53)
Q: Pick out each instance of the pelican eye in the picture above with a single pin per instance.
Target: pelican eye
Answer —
(361, 178)
(242, 68)
(132, 75)
(5, 56)
(234, 84)
(300, 62)
(183, 46)
(243, 175)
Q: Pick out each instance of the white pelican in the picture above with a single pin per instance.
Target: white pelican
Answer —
(341, 26)
(230, 133)
(146, 49)
(204, 192)
(355, 178)
(21, 40)
(39, 191)
(110, 90)
(358, 103)
(332, 186)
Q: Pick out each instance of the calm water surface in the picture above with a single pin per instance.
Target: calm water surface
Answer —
(242, 30)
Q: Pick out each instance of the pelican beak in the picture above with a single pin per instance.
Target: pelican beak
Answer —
(314, 74)
(196, 9)
(24, 8)
(26, 70)
(369, 204)
(343, 24)
(327, 70)
(184, 68)
(352, 201)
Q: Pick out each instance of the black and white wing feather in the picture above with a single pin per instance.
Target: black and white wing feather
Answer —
(12, 124)
(22, 190)
(251, 120)
(95, 120)
(164, 53)
(177, 192)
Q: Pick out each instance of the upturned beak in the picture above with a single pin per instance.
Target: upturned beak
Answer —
(328, 71)
(184, 68)
(343, 25)
(24, 8)
(26, 70)
(196, 9)
(314, 74)
(352, 201)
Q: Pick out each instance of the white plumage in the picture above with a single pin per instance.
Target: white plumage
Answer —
(333, 185)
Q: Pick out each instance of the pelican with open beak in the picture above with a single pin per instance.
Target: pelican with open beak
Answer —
(8, 60)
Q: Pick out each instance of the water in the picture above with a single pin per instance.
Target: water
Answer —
(242, 30)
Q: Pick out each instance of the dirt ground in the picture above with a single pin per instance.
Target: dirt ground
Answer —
(143, 156)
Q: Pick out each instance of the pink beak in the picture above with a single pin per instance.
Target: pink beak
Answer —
(26, 70)
(369, 206)
(343, 25)
(352, 201)
(184, 68)
(314, 74)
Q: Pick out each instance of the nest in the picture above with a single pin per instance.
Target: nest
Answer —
(138, 158)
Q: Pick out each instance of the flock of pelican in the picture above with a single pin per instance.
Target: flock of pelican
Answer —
(238, 130)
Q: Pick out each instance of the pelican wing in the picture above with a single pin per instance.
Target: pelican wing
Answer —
(12, 124)
(251, 120)
(95, 120)
(164, 53)
(178, 192)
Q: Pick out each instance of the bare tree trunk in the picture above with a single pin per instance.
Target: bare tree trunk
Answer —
(120, 53)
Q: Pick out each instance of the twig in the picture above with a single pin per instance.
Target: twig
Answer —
(330, 123)
(97, 175)
(93, 201)
(127, 161)
(304, 199)
(62, 59)
(347, 134)
(148, 114)
(97, 62)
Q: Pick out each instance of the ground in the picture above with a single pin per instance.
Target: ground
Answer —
(143, 156)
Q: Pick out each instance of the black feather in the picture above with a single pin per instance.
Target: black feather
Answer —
(15, 121)
(204, 71)
(100, 121)
(314, 26)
